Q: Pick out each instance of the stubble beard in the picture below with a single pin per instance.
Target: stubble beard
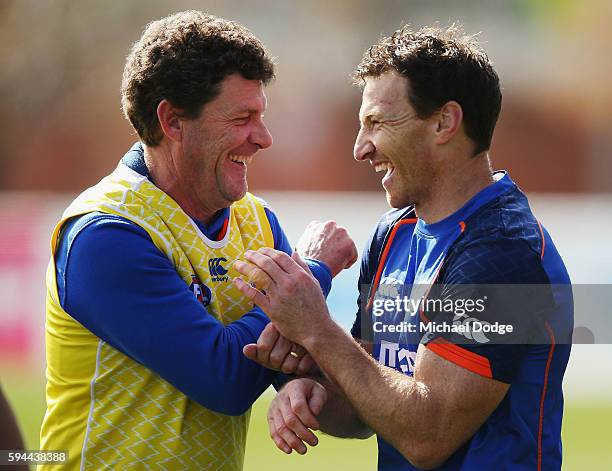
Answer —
(228, 192)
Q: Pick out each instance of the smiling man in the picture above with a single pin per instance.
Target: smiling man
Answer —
(144, 328)
(462, 236)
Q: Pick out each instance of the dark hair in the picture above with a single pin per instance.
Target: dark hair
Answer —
(183, 58)
(441, 65)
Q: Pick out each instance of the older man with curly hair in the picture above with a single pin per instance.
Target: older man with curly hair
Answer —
(144, 328)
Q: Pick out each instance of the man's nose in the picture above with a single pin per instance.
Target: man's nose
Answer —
(363, 148)
(261, 136)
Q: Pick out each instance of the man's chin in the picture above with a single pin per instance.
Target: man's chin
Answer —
(236, 194)
(397, 201)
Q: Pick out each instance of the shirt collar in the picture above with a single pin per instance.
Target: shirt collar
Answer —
(502, 184)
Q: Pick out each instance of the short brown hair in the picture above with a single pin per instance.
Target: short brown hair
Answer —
(183, 58)
(441, 65)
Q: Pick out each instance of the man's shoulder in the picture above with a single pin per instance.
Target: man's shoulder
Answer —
(502, 243)
(97, 231)
(505, 220)
(99, 220)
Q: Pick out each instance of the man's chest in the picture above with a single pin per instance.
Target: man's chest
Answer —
(407, 271)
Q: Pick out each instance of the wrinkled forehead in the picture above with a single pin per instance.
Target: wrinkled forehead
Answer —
(238, 93)
(386, 93)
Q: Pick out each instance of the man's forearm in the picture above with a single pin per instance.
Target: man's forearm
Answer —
(375, 391)
(338, 417)
(426, 417)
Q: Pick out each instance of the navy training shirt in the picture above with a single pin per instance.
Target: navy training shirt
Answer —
(493, 240)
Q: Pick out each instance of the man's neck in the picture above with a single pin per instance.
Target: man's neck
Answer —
(161, 172)
(453, 188)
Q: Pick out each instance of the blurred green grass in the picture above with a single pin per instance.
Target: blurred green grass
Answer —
(586, 434)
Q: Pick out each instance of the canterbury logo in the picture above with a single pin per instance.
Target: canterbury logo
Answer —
(216, 269)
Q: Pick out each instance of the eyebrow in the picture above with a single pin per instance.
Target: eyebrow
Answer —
(241, 113)
(250, 110)
(254, 110)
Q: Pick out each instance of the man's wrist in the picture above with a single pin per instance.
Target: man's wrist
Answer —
(321, 337)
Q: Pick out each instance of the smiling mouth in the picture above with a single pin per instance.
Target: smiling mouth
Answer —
(241, 159)
(383, 167)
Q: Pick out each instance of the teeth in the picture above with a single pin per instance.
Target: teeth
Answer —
(245, 159)
(383, 167)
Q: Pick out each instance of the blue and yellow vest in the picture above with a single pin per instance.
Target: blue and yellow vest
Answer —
(106, 409)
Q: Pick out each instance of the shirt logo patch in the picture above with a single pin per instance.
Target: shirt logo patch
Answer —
(397, 356)
(202, 292)
(217, 270)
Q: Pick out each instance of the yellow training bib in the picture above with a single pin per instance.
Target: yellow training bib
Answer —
(106, 409)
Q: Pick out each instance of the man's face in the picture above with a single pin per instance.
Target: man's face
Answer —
(218, 146)
(395, 140)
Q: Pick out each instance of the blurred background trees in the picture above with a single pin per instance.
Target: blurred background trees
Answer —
(62, 127)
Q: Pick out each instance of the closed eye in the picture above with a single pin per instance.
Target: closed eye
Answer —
(242, 119)
(372, 124)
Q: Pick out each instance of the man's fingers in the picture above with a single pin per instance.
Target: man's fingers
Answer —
(251, 293)
(265, 343)
(275, 352)
(317, 399)
(274, 420)
(297, 351)
(329, 243)
(285, 429)
(265, 263)
(296, 257)
(293, 359)
(281, 350)
(296, 426)
(256, 277)
(307, 365)
(289, 365)
(243, 268)
(250, 351)
(354, 256)
(300, 407)
(282, 259)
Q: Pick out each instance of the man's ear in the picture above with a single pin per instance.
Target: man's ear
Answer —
(169, 120)
(450, 118)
